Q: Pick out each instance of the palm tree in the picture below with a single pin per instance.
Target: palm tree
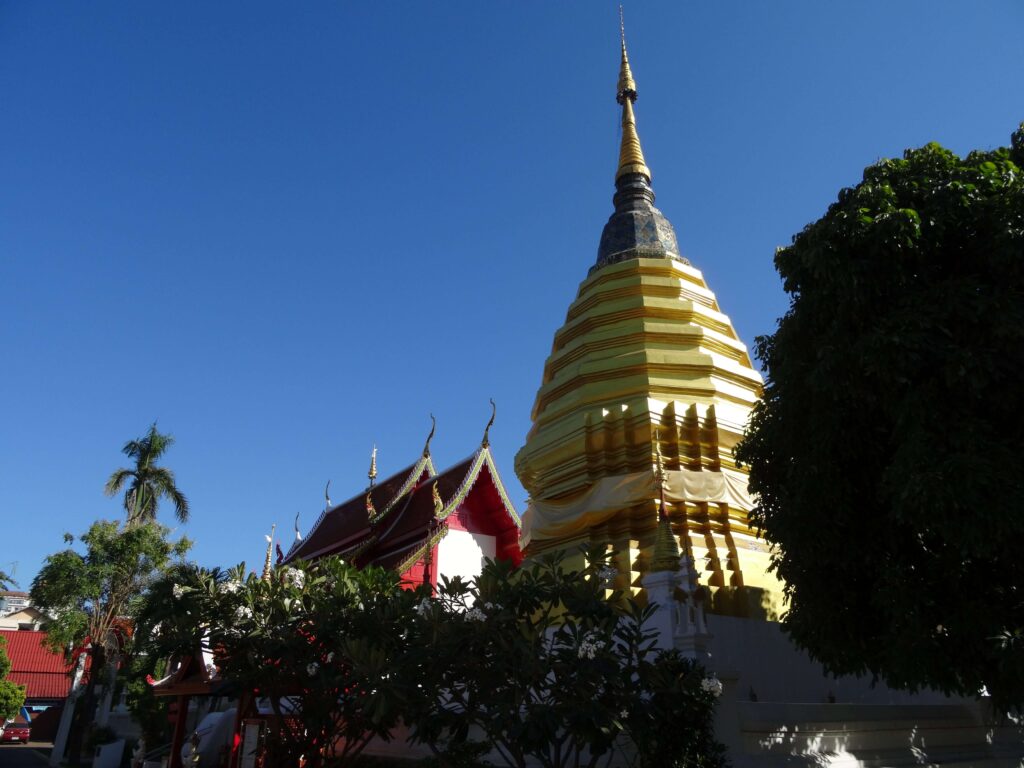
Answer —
(147, 483)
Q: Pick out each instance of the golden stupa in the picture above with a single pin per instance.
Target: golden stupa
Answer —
(646, 363)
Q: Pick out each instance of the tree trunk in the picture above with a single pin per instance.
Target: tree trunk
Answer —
(84, 713)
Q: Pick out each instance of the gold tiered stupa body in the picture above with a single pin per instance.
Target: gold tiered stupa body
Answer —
(645, 360)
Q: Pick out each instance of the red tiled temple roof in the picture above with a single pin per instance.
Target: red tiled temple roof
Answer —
(470, 491)
(44, 674)
(346, 525)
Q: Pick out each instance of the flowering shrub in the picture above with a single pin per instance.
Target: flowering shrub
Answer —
(541, 664)
(549, 668)
(323, 644)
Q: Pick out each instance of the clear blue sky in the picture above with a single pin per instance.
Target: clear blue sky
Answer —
(290, 230)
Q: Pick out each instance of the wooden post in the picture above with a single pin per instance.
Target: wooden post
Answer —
(178, 740)
(235, 744)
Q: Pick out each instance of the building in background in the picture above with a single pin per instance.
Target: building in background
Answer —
(45, 675)
(17, 612)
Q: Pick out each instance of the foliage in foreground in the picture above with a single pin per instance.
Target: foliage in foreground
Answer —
(886, 449)
(540, 664)
(12, 696)
(92, 595)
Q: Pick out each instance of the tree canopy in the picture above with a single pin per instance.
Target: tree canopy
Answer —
(885, 452)
(146, 482)
(12, 696)
(91, 596)
(543, 665)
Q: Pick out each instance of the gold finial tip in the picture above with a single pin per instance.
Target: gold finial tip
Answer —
(627, 86)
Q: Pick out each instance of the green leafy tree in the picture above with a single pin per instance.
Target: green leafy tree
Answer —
(555, 669)
(540, 664)
(324, 644)
(885, 452)
(93, 595)
(12, 696)
(146, 482)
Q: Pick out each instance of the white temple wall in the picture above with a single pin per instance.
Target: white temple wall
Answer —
(461, 553)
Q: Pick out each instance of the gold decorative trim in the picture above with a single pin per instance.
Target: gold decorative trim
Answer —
(410, 561)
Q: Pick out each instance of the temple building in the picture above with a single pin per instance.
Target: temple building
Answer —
(646, 362)
(421, 523)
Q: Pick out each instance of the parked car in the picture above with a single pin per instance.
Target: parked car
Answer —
(17, 729)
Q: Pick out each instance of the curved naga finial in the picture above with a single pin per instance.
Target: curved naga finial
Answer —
(327, 495)
(494, 412)
(298, 534)
(426, 445)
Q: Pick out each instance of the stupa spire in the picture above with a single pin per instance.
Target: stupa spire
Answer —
(636, 229)
(631, 156)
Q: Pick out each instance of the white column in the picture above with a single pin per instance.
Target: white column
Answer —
(660, 586)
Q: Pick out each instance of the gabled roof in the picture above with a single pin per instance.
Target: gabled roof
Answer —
(404, 539)
(343, 527)
(43, 673)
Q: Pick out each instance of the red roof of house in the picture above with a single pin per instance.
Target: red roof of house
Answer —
(44, 674)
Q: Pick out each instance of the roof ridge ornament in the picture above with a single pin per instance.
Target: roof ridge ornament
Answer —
(486, 442)
(327, 496)
(372, 474)
(426, 445)
(438, 502)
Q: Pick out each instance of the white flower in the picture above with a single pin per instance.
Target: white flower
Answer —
(492, 606)
(423, 608)
(475, 614)
(623, 714)
(711, 685)
(243, 612)
(178, 591)
(590, 644)
(295, 577)
(330, 657)
(230, 587)
(312, 669)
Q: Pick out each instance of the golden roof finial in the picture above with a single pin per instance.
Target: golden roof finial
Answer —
(627, 86)
(666, 552)
(268, 567)
(372, 474)
(631, 156)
